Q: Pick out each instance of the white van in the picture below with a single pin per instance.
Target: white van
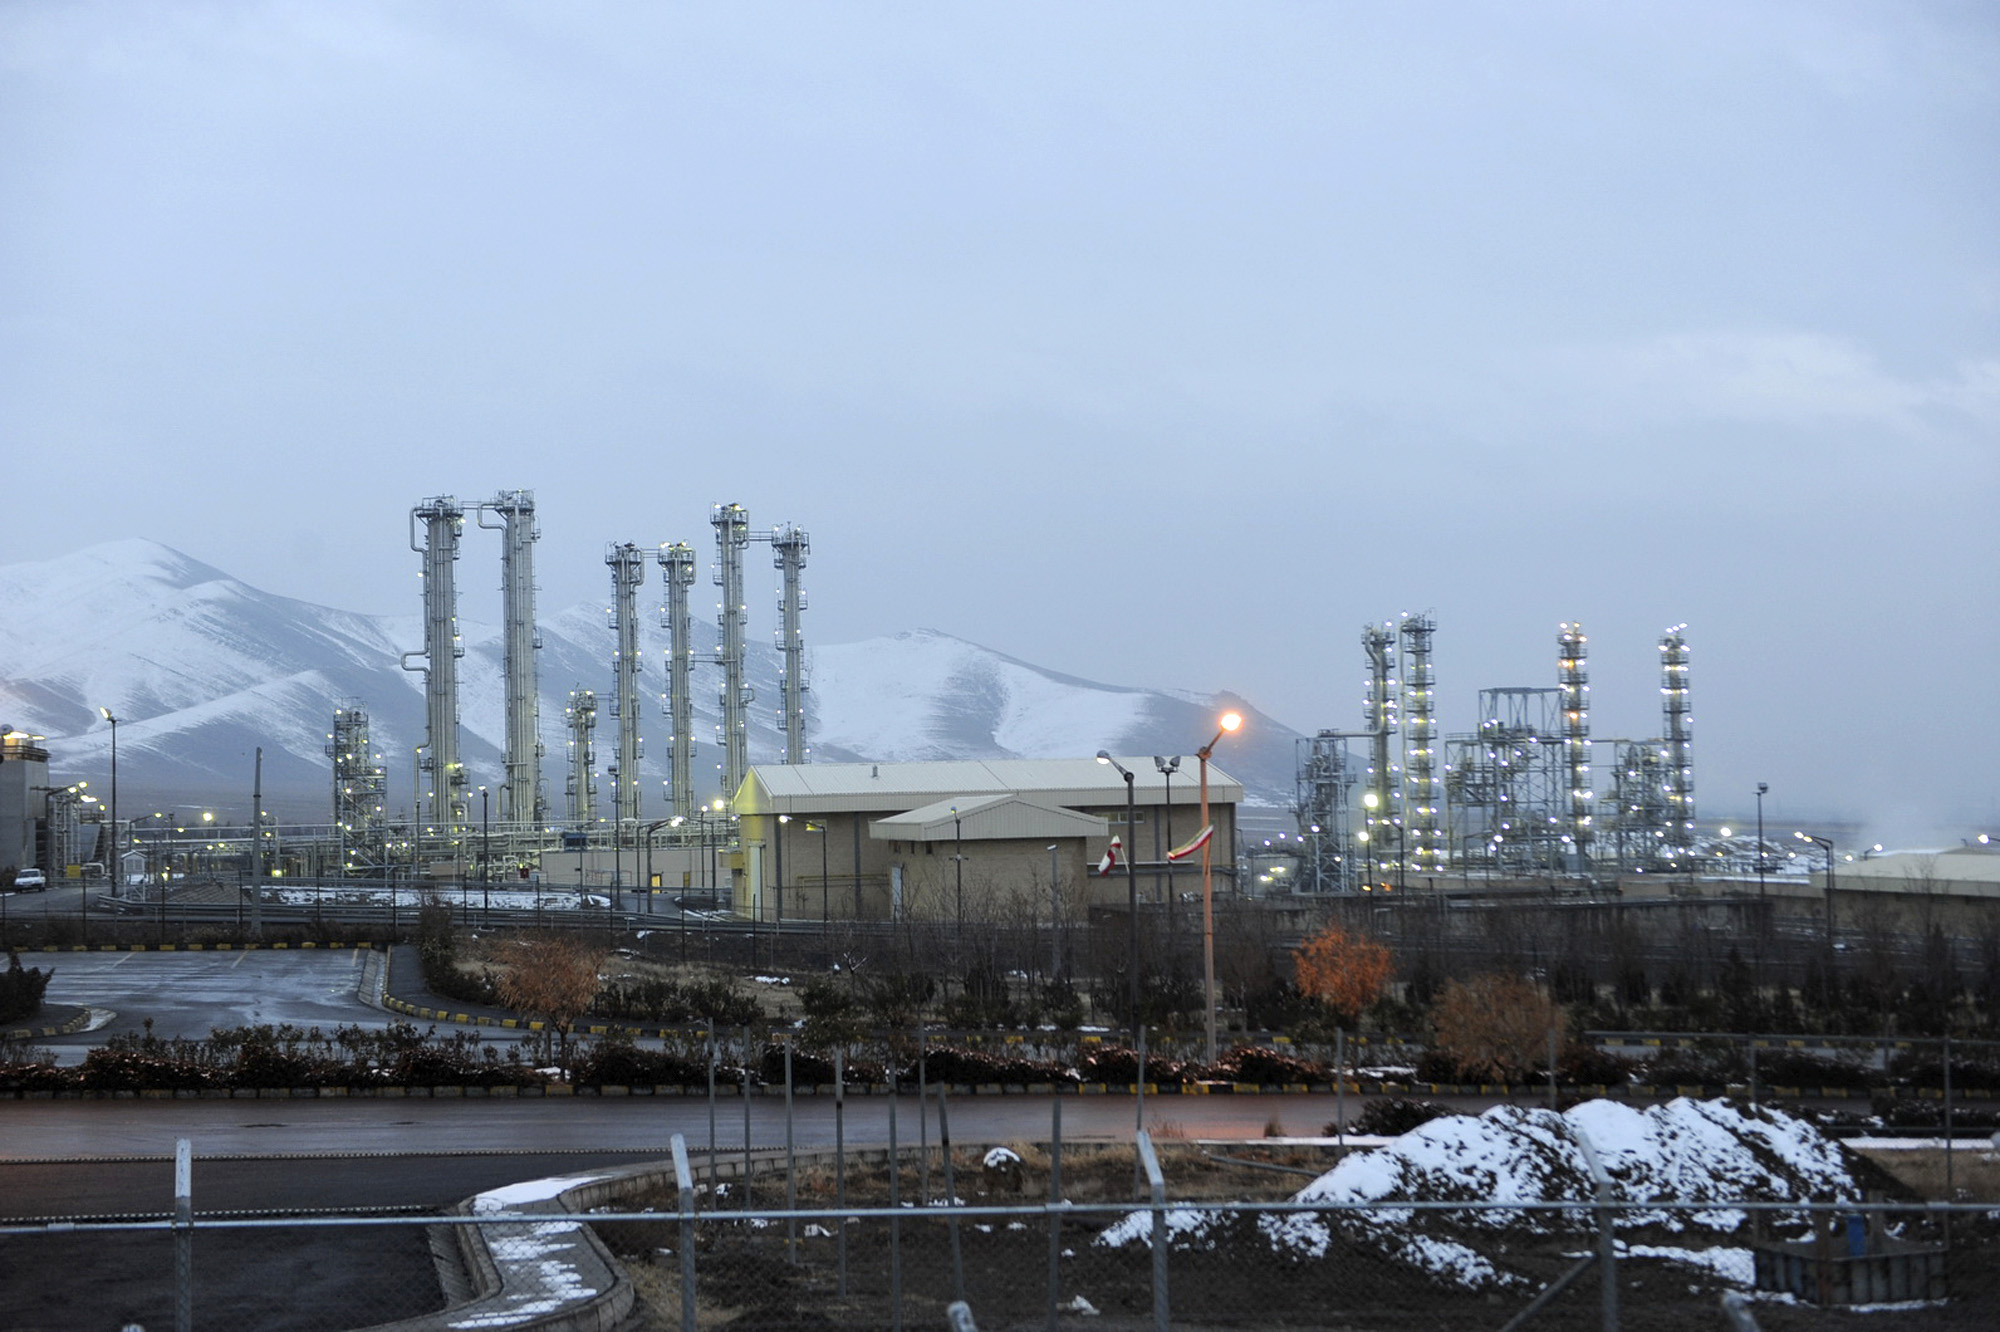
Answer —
(30, 881)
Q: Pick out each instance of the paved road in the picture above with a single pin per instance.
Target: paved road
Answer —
(189, 994)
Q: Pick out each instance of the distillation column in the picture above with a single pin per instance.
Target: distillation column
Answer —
(1573, 691)
(1381, 793)
(732, 536)
(522, 800)
(628, 570)
(1423, 815)
(1679, 726)
(677, 572)
(360, 789)
(442, 519)
(789, 546)
(581, 718)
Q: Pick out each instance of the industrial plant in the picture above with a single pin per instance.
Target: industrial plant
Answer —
(1517, 797)
(1529, 796)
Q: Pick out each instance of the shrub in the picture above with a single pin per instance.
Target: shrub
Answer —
(1260, 1064)
(1393, 1117)
(623, 1064)
(1346, 972)
(21, 989)
(1119, 1066)
(1494, 1026)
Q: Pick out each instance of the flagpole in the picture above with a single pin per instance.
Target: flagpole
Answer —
(1230, 721)
(1131, 895)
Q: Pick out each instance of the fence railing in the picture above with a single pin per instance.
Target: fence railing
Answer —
(668, 1247)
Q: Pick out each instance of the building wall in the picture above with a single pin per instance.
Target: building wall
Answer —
(852, 875)
(24, 785)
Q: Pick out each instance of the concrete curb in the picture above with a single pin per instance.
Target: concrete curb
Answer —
(550, 1274)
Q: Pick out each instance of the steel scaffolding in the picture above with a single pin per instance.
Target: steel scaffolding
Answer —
(677, 573)
(360, 791)
(1573, 685)
(1505, 783)
(1678, 823)
(1422, 798)
(442, 519)
(732, 536)
(1326, 779)
(1381, 797)
(581, 788)
(789, 546)
(628, 571)
(523, 799)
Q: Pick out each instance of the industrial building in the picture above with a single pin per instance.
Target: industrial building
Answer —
(975, 840)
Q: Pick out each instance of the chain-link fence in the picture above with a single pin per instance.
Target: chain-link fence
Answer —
(673, 1247)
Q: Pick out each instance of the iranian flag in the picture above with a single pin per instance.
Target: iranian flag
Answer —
(1110, 861)
(1193, 844)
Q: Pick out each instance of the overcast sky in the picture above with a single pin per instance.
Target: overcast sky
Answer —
(1158, 344)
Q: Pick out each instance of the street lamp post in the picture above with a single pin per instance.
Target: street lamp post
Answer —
(1229, 722)
(1762, 787)
(825, 878)
(1131, 893)
(117, 868)
(958, 870)
(778, 924)
(485, 858)
(1825, 844)
(1167, 768)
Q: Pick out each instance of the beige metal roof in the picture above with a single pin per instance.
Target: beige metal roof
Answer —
(1002, 817)
(815, 788)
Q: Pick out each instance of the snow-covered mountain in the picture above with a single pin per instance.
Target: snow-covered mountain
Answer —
(201, 670)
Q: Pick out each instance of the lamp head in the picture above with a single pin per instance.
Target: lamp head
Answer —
(1231, 720)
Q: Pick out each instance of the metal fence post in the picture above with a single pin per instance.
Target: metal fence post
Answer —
(684, 1183)
(183, 1236)
(1607, 1231)
(746, 1119)
(1055, 1202)
(791, 1166)
(923, 1121)
(895, 1224)
(951, 1199)
(1340, 1093)
(840, 1156)
(714, 1180)
(1156, 1185)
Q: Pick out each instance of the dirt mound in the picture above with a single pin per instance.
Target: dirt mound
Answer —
(1684, 1152)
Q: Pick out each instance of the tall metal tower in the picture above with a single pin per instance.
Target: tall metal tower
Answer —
(1506, 782)
(628, 570)
(789, 546)
(732, 536)
(677, 572)
(1423, 814)
(442, 519)
(1573, 689)
(522, 799)
(1679, 727)
(1381, 793)
(1637, 820)
(581, 788)
(360, 790)
(1326, 775)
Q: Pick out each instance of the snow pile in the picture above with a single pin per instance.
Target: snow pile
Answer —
(1682, 1152)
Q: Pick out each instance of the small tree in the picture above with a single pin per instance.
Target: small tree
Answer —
(1346, 972)
(1495, 1026)
(552, 977)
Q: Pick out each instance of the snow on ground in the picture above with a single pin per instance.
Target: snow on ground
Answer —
(1685, 1151)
